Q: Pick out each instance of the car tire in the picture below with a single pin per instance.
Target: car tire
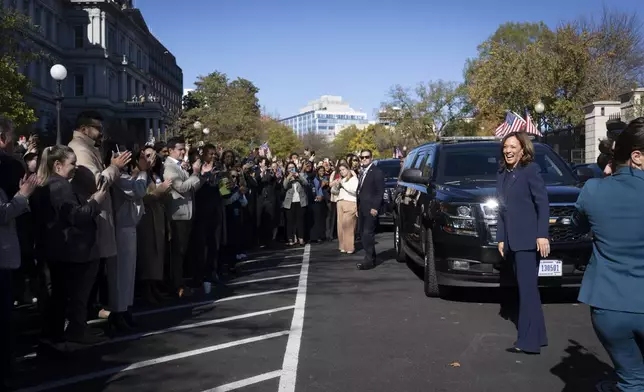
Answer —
(432, 288)
(401, 256)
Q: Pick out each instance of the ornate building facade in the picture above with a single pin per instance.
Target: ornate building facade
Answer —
(114, 66)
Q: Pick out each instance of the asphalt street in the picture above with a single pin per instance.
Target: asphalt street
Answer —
(305, 319)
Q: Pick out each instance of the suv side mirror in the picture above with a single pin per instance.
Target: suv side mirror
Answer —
(414, 176)
(584, 173)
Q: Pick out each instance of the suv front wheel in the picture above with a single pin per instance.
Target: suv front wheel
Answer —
(432, 289)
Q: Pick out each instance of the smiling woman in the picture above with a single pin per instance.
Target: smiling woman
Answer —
(522, 233)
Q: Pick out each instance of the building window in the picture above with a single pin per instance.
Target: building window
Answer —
(79, 37)
(79, 85)
(139, 60)
(37, 16)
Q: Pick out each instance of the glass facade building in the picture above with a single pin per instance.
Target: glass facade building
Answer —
(326, 116)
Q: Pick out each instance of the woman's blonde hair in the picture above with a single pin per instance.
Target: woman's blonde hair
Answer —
(49, 157)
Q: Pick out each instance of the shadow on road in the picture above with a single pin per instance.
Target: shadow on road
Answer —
(581, 370)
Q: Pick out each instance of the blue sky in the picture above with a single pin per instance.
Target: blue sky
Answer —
(296, 50)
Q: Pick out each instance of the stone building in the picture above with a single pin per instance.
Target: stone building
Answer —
(114, 65)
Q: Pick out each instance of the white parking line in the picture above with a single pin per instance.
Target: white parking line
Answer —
(273, 252)
(151, 362)
(184, 327)
(264, 258)
(263, 279)
(246, 382)
(201, 303)
(291, 357)
(272, 268)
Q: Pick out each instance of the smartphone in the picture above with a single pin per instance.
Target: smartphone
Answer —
(101, 182)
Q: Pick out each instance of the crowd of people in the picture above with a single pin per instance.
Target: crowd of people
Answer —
(83, 226)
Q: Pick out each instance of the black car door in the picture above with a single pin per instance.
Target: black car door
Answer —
(410, 199)
(424, 196)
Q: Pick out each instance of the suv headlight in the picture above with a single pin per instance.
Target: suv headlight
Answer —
(459, 219)
(490, 209)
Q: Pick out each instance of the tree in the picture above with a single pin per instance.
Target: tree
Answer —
(318, 143)
(281, 138)
(15, 30)
(577, 63)
(423, 113)
(229, 109)
(364, 140)
(340, 145)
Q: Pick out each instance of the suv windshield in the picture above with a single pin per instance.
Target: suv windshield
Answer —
(470, 164)
(390, 169)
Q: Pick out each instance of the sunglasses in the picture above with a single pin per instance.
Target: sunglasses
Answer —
(365, 157)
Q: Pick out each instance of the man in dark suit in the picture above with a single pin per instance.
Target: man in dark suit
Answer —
(371, 187)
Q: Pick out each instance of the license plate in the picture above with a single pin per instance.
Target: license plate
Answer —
(550, 268)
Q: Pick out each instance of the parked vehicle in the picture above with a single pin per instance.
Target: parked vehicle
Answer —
(446, 215)
(391, 170)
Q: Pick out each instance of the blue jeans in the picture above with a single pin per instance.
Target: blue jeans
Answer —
(622, 335)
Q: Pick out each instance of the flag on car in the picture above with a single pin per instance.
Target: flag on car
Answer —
(513, 123)
(530, 127)
(397, 153)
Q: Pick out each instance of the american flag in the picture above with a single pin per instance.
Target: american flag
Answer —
(530, 127)
(513, 123)
(397, 153)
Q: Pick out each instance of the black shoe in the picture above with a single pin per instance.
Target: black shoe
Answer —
(129, 319)
(364, 267)
(516, 350)
(119, 323)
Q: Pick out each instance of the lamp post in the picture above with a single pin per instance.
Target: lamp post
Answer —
(58, 72)
(539, 108)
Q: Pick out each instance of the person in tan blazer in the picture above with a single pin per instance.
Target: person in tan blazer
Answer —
(180, 205)
(90, 172)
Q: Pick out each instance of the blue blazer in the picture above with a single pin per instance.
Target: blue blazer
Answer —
(612, 208)
(524, 211)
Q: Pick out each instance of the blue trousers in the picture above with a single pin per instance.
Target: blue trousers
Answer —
(622, 335)
(532, 326)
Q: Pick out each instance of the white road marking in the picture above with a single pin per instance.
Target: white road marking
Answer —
(272, 252)
(246, 382)
(291, 357)
(272, 268)
(150, 362)
(263, 279)
(202, 303)
(184, 327)
(264, 258)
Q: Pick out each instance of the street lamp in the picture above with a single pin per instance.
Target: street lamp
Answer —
(539, 107)
(58, 72)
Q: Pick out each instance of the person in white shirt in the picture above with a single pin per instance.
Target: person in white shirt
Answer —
(345, 188)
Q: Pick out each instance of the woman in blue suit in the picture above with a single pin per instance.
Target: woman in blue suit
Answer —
(522, 234)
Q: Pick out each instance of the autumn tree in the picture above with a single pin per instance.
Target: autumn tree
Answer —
(340, 145)
(566, 68)
(422, 113)
(15, 51)
(282, 140)
(229, 109)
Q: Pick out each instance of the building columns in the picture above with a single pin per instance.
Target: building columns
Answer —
(124, 96)
(162, 135)
(155, 128)
(147, 128)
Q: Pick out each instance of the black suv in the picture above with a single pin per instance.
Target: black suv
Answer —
(391, 170)
(445, 215)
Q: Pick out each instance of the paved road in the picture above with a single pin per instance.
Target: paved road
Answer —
(305, 319)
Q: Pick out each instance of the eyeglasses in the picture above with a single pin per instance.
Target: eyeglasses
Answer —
(365, 157)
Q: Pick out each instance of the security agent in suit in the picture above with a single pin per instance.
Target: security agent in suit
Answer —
(522, 234)
(371, 187)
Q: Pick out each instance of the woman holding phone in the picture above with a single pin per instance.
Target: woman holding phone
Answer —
(295, 203)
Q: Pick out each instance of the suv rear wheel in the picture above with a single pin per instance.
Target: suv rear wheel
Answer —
(401, 256)
(432, 289)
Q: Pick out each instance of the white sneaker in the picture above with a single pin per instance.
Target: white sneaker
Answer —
(343, 251)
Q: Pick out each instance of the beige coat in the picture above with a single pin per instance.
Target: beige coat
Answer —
(90, 167)
(184, 186)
